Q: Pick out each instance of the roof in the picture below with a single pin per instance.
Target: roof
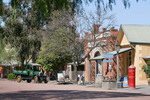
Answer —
(147, 57)
(72, 63)
(122, 50)
(136, 34)
(33, 64)
(97, 58)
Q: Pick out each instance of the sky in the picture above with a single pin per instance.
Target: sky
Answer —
(138, 13)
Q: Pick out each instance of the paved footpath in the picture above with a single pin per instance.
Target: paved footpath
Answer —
(11, 90)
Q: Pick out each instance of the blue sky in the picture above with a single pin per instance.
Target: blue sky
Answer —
(138, 13)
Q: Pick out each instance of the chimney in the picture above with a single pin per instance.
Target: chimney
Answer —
(96, 28)
(112, 28)
(103, 29)
(86, 34)
(113, 31)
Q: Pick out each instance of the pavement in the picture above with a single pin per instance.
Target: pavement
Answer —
(11, 90)
(138, 88)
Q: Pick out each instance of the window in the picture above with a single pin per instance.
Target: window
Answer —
(128, 62)
(99, 43)
(89, 37)
(97, 36)
(69, 69)
(36, 68)
(129, 58)
(106, 34)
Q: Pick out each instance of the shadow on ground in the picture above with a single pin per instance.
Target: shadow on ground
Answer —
(66, 83)
(65, 95)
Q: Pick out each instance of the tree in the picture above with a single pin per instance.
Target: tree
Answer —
(1, 7)
(24, 32)
(84, 22)
(54, 51)
(6, 53)
(146, 69)
(47, 6)
(63, 37)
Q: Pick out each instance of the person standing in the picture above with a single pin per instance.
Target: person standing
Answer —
(110, 69)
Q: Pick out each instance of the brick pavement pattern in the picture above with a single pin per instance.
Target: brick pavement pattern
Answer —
(11, 90)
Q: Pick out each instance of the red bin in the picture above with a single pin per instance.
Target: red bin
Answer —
(132, 76)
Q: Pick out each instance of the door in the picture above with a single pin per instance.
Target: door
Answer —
(98, 67)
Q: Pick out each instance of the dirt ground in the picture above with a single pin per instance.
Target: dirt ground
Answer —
(11, 90)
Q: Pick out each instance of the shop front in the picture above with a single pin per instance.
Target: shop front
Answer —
(135, 37)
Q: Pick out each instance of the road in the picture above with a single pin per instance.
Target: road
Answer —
(11, 90)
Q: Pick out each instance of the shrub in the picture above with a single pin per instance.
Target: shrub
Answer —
(146, 69)
(11, 76)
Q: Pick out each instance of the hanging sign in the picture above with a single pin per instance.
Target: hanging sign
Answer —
(108, 56)
(108, 61)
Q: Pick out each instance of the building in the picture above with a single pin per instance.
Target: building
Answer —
(97, 43)
(70, 70)
(135, 49)
(5, 69)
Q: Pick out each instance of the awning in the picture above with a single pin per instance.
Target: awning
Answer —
(97, 58)
(147, 57)
(122, 50)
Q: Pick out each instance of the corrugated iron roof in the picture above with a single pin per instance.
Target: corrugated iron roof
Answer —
(137, 34)
(122, 50)
(97, 58)
(147, 57)
(72, 63)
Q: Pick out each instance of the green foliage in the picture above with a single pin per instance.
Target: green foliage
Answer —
(52, 62)
(7, 55)
(11, 76)
(23, 33)
(54, 53)
(45, 7)
(146, 69)
(6, 52)
(18, 37)
(1, 7)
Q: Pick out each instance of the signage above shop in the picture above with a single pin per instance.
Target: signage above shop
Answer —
(108, 61)
(108, 56)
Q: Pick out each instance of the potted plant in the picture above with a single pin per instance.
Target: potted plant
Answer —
(146, 69)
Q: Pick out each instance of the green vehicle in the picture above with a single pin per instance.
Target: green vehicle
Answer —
(33, 71)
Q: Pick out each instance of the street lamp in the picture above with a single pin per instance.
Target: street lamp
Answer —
(118, 85)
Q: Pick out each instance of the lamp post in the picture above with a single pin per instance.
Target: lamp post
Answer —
(89, 71)
(118, 85)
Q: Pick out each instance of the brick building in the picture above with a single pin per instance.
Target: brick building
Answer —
(97, 43)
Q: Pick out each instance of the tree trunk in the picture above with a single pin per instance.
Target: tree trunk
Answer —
(33, 57)
(75, 74)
